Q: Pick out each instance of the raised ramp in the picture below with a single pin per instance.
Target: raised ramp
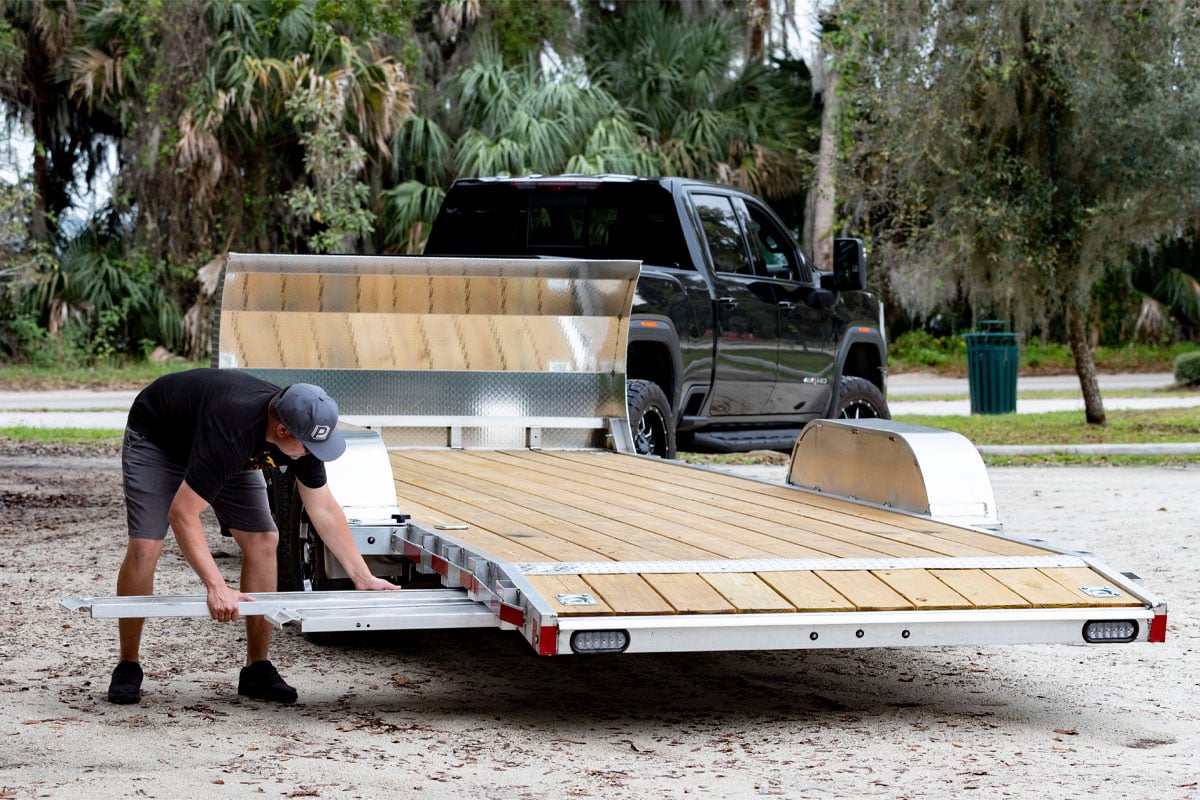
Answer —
(436, 352)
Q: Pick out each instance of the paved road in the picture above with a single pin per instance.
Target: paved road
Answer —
(925, 385)
(909, 384)
(107, 410)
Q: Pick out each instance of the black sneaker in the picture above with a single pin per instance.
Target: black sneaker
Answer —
(261, 681)
(126, 686)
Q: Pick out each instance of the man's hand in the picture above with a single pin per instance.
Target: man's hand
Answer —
(223, 603)
(373, 584)
(330, 521)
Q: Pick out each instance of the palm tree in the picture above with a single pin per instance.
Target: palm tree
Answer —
(505, 121)
(39, 35)
(221, 73)
(705, 108)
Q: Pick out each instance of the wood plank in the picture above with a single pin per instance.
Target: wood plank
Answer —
(628, 594)
(883, 531)
(603, 537)
(864, 590)
(1035, 587)
(784, 534)
(747, 593)
(575, 503)
(550, 586)
(922, 589)
(980, 588)
(806, 591)
(488, 530)
(545, 478)
(1075, 578)
(689, 594)
(487, 540)
(816, 506)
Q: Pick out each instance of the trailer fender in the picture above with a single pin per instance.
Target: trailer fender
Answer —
(926, 471)
(361, 480)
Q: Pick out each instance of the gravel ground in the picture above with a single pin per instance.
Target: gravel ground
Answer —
(476, 714)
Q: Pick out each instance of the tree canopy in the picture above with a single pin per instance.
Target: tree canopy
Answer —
(1006, 153)
(999, 155)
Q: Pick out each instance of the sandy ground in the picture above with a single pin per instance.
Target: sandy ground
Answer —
(476, 714)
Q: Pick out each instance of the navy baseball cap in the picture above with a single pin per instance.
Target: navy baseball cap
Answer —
(311, 416)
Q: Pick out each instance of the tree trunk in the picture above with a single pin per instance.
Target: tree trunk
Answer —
(822, 215)
(1085, 367)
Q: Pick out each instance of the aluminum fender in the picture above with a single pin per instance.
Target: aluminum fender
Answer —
(361, 480)
(912, 468)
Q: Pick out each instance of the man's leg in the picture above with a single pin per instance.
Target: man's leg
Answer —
(136, 578)
(259, 678)
(258, 575)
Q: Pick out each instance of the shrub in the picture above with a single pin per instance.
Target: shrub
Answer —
(1187, 368)
(920, 348)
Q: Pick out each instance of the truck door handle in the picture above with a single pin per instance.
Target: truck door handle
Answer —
(728, 302)
(786, 305)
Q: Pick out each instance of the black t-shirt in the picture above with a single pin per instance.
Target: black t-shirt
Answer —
(213, 423)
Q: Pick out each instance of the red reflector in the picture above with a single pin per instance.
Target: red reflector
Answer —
(647, 323)
(1158, 628)
(864, 330)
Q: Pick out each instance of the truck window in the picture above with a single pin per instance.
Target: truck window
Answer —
(726, 243)
(634, 221)
(565, 223)
(774, 248)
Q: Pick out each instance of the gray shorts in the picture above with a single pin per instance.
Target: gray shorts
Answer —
(151, 482)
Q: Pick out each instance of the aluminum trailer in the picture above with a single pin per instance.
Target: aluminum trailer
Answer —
(489, 448)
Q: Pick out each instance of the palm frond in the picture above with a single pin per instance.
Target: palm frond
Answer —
(1181, 292)
(408, 211)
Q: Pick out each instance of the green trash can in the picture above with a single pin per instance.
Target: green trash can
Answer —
(992, 368)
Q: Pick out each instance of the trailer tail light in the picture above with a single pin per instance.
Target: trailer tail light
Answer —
(1118, 630)
(583, 642)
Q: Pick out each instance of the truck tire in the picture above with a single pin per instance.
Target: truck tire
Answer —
(300, 555)
(651, 419)
(858, 398)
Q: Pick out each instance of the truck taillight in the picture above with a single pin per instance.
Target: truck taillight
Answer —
(599, 641)
(1114, 630)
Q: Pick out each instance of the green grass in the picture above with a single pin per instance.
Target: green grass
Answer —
(22, 377)
(1058, 394)
(948, 356)
(1052, 428)
(1080, 460)
(65, 436)
(1070, 427)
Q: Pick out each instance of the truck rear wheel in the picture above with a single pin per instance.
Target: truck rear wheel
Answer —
(858, 398)
(651, 419)
(300, 555)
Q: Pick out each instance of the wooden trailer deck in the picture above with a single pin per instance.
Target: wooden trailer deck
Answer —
(640, 536)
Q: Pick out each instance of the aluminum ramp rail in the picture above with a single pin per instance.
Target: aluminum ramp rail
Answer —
(409, 609)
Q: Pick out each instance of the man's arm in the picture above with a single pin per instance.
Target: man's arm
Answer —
(330, 521)
(184, 517)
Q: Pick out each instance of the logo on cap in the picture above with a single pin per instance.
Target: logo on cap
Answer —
(319, 433)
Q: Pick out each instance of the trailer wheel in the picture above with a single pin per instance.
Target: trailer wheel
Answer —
(300, 555)
(651, 419)
(858, 398)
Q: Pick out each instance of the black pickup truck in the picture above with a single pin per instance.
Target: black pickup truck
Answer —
(735, 340)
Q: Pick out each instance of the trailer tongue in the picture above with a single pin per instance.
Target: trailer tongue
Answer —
(490, 450)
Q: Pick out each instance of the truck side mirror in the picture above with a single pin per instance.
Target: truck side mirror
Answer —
(849, 267)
